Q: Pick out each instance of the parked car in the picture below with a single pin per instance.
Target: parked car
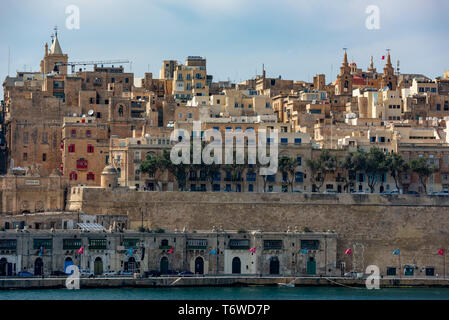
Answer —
(330, 191)
(87, 273)
(354, 274)
(186, 273)
(153, 273)
(441, 193)
(412, 192)
(125, 273)
(25, 274)
(359, 192)
(110, 273)
(59, 273)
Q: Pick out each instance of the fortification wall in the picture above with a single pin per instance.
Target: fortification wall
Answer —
(372, 225)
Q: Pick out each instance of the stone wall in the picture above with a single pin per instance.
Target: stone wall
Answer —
(372, 225)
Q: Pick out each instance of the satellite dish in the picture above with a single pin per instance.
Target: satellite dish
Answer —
(90, 112)
(147, 135)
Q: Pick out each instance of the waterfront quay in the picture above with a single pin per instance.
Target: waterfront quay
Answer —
(99, 252)
(217, 281)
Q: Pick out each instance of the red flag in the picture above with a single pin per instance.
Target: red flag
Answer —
(253, 250)
(80, 250)
(383, 57)
(171, 250)
(348, 251)
(441, 252)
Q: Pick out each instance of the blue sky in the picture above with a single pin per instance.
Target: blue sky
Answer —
(293, 38)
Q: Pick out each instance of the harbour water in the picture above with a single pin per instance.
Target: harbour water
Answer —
(230, 293)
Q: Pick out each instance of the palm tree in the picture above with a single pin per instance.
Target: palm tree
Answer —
(288, 165)
(396, 166)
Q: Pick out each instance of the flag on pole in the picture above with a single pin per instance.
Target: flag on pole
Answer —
(383, 57)
(396, 252)
(348, 251)
(171, 250)
(252, 250)
(129, 252)
(214, 251)
(303, 251)
(441, 252)
(80, 250)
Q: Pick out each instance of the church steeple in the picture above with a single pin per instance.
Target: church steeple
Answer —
(55, 47)
(389, 79)
(54, 59)
(345, 78)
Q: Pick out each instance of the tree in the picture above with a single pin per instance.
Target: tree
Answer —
(420, 167)
(375, 165)
(155, 166)
(288, 165)
(396, 166)
(320, 168)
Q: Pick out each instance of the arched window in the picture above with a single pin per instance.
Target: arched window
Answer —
(120, 111)
(73, 175)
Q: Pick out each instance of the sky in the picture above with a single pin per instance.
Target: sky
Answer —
(295, 39)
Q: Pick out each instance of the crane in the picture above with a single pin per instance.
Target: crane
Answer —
(85, 63)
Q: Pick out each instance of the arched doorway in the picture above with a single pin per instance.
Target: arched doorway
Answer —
(311, 266)
(236, 265)
(98, 266)
(199, 265)
(164, 265)
(38, 267)
(68, 262)
(381, 189)
(274, 265)
(130, 265)
(3, 267)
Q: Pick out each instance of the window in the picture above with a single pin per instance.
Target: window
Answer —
(236, 105)
(97, 244)
(267, 105)
(44, 157)
(72, 148)
(272, 244)
(299, 177)
(25, 138)
(73, 176)
(239, 244)
(91, 176)
(88, 133)
(73, 133)
(298, 140)
(299, 160)
(284, 141)
(391, 271)
(90, 148)
(430, 271)
(250, 187)
(251, 176)
(45, 138)
(81, 163)
(71, 244)
(310, 244)
(25, 156)
(42, 243)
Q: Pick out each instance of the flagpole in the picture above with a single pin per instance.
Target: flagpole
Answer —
(444, 264)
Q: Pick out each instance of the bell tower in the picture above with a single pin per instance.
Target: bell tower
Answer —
(344, 78)
(389, 79)
(54, 59)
